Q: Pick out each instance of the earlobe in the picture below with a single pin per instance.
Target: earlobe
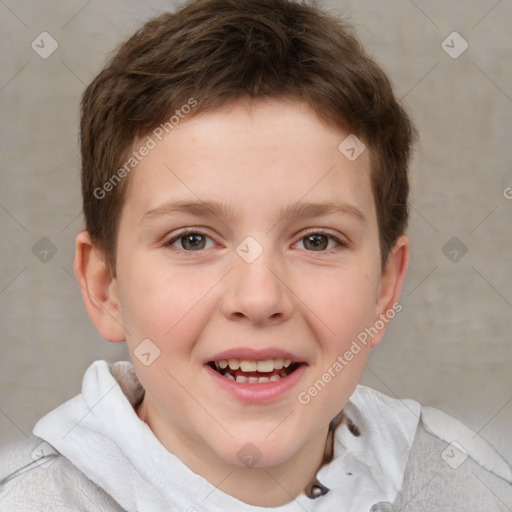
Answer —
(99, 289)
(391, 281)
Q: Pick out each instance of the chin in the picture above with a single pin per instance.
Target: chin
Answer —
(260, 453)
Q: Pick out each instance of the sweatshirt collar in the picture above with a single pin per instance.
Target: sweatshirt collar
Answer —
(101, 434)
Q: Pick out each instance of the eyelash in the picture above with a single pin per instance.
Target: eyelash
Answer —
(341, 243)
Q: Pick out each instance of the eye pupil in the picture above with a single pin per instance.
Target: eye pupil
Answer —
(318, 241)
(193, 240)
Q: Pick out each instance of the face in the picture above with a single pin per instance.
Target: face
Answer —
(248, 239)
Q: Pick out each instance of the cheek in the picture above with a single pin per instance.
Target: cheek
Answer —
(345, 310)
(159, 301)
(164, 315)
(342, 303)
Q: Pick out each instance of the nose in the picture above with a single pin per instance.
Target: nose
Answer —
(258, 292)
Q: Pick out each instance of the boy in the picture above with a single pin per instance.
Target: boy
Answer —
(244, 178)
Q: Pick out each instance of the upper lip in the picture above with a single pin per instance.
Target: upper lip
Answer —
(251, 354)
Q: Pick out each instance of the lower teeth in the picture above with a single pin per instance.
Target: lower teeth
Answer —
(242, 379)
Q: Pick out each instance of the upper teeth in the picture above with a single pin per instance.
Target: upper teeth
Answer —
(246, 365)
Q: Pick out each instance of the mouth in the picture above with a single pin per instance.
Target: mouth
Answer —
(251, 371)
(252, 376)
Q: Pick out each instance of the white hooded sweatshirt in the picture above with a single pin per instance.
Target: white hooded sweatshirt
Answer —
(93, 453)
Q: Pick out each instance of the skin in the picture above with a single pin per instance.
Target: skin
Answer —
(256, 158)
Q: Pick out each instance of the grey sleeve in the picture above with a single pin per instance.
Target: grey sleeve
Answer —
(35, 478)
(439, 478)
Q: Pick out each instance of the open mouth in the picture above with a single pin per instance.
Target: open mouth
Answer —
(254, 372)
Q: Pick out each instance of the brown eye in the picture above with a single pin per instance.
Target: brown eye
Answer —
(190, 241)
(316, 242)
(193, 241)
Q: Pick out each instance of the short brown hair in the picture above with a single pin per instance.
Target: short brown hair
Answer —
(218, 51)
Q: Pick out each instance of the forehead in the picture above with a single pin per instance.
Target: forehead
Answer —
(260, 155)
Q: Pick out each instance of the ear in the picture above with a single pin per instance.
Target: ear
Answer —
(390, 287)
(99, 289)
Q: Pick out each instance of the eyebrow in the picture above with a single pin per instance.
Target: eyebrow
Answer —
(294, 211)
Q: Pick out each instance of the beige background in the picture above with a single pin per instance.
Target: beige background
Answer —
(450, 347)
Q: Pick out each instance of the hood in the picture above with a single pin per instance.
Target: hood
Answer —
(101, 434)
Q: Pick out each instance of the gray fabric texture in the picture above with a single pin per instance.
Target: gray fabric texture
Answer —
(430, 484)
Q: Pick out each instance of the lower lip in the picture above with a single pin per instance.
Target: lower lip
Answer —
(257, 393)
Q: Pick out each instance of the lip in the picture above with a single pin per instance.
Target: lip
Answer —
(256, 393)
(254, 355)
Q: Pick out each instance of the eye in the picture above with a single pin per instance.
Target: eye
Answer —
(321, 241)
(190, 240)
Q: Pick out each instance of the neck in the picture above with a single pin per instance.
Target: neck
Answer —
(270, 486)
